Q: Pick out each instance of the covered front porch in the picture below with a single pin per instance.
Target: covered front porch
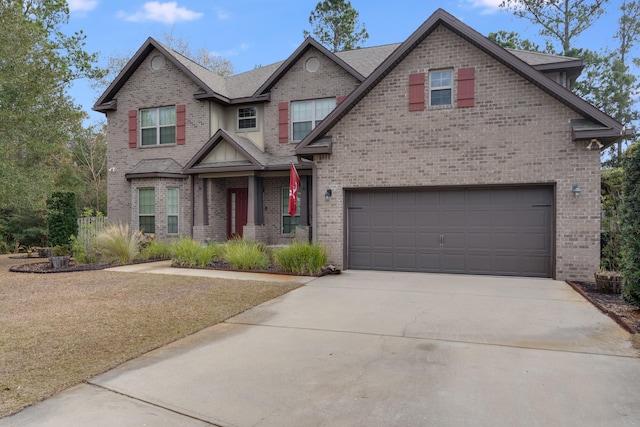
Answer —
(240, 191)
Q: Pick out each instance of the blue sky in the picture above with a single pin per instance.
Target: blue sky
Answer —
(260, 32)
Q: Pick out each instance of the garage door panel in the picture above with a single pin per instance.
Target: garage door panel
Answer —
(383, 259)
(360, 239)
(479, 240)
(405, 261)
(382, 239)
(489, 230)
(404, 241)
(452, 218)
(405, 219)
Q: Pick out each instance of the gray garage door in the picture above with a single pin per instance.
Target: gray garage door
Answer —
(500, 230)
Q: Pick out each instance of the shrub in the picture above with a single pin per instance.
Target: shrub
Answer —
(156, 250)
(631, 225)
(243, 255)
(62, 217)
(301, 258)
(189, 253)
(119, 243)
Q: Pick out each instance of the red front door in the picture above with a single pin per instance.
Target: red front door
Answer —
(237, 201)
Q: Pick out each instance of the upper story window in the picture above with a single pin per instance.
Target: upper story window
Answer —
(247, 118)
(440, 87)
(158, 126)
(306, 115)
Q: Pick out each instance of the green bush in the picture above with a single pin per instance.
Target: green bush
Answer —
(62, 218)
(301, 258)
(631, 225)
(243, 255)
(187, 252)
(119, 243)
(156, 250)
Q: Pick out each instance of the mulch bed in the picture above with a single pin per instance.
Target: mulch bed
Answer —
(625, 314)
(45, 268)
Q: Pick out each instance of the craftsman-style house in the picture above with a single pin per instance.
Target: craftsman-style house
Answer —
(445, 153)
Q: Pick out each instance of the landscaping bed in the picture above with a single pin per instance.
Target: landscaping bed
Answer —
(625, 314)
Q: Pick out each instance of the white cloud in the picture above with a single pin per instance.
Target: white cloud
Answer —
(82, 5)
(223, 15)
(167, 13)
(487, 6)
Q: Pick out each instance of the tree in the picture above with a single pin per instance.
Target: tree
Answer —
(512, 40)
(89, 152)
(560, 20)
(335, 25)
(609, 83)
(202, 56)
(631, 225)
(38, 63)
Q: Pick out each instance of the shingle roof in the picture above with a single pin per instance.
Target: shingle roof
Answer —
(156, 168)
(247, 85)
(440, 17)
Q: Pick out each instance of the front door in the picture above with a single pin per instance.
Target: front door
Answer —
(237, 202)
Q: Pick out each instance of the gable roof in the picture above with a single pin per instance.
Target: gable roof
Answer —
(204, 78)
(605, 123)
(254, 158)
(296, 55)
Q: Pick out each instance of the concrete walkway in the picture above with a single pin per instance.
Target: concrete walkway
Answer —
(378, 349)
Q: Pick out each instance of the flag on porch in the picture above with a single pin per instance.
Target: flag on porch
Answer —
(294, 184)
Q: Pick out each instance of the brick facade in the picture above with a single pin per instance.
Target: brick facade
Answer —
(515, 134)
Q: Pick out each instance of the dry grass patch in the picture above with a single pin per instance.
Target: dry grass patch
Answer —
(57, 330)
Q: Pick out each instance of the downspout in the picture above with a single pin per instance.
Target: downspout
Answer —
(314, 200)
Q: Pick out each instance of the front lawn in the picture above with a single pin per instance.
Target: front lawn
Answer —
(57, 330)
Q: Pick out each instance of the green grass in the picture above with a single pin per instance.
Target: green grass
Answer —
(243, 255)
(186, 252)
(156, 250)
(301, 258)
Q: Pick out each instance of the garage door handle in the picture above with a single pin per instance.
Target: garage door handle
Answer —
(442, 240)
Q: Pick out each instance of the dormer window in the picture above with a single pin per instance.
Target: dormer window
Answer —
(158, 126)
(247, 118)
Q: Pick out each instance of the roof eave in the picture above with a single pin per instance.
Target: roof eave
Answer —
(134, 175)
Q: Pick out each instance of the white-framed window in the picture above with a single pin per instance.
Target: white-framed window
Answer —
(440, 87)
(247, 118)
(158, 126)
(173, 197)
(306, 115)
(147, 210)
(289, 223)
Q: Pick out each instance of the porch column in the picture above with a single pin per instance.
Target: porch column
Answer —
(253, 230)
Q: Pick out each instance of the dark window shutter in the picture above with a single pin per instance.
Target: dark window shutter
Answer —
(283, 122)
(181, 122)
(133, 128)
(416, 92)
(340, 99)
(466, 87)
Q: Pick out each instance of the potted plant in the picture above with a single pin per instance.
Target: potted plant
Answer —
(608, 281)
(59, 256)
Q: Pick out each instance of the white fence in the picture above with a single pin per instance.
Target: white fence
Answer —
(90, 226)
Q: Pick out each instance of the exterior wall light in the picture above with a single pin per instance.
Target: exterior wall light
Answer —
(328, 194)
(575, 189)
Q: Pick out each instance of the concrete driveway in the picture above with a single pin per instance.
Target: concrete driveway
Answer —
(379, 349)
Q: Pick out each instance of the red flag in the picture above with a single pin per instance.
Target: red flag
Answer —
(294, 184)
